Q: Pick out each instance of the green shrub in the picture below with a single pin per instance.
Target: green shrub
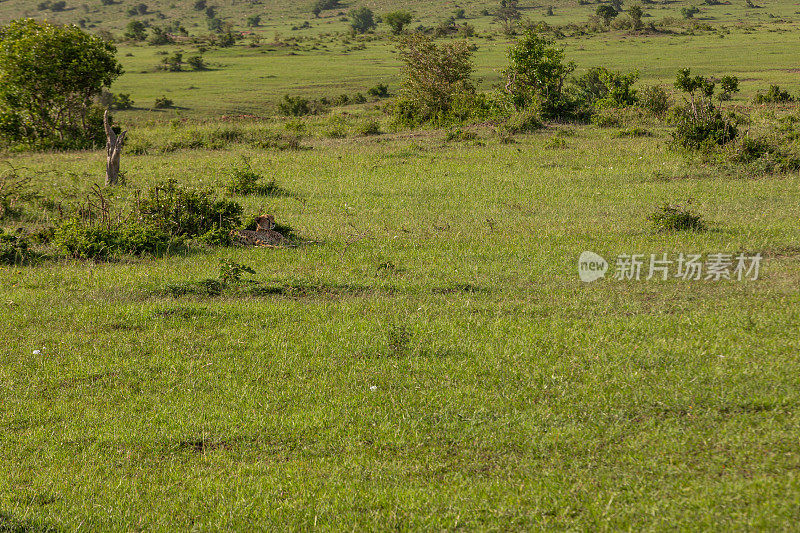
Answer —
(83, 241)
(243, 180)
(231, 272)
(122, 101)
(536, 76)
(296, 106)
(764, 156)
(14, 249)
(368, 128)
(361, 19)
(434, 76)
(655, 100)
(379, 91)
(676, 218)
(138, 239)
(699, 124)
(188, 212)
(163, 103)
(607, 118)
(97, 241)
(197, 63)
(775, 95)
(525, 121)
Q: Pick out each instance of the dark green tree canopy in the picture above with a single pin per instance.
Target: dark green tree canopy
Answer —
(397, 20)
(49, 76)
(362, 20)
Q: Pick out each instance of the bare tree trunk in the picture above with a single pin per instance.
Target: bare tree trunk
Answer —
(114, 145)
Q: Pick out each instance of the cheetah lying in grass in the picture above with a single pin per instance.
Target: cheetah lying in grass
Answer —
(264, 235)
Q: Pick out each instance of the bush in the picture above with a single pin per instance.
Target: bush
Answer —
(188, 212)
(122, 101)
(676, 218)
(231, 272)
(699, 124)
(702, 127)
(536, 76)
(14, 249)
(655, 100)
(619, 89)
(97, 241)
(689, 12)
(764, 155)
(397, 20)
(297, 106)
(197, 63)
(368, 128)
(243, 180)
(361, 20)
(775, 95)
(379, 91)
(434, 76)
(163, 103)
(524, 121)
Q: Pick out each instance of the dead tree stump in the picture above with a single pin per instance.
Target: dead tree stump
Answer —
(114, 145)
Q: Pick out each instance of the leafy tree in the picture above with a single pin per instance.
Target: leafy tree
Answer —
(322, 5)
(508, 14)
(397, 20)
(136, 31)
(51, 74)
(620, 91)
(729, 85)
(636, 13)
(173, 63)
(214, 24)
(197, 63)
(607, 13)
(254, 21)
(200, 5)
(160, 37)
(689, 12)
(435, 77)
(617, 5)
(362, 20)
(536, 74)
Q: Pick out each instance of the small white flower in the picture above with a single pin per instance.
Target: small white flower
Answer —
(373, 387)
(37, 352)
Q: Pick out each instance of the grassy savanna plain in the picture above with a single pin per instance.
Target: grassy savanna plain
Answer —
(431, 359)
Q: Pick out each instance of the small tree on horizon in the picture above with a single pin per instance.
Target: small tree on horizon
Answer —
(397, 20)
(362, 20)
(607, 13)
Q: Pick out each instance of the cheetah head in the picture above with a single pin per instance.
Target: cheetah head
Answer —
(265, 222)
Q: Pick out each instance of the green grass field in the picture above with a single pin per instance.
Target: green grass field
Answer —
(429, 359)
